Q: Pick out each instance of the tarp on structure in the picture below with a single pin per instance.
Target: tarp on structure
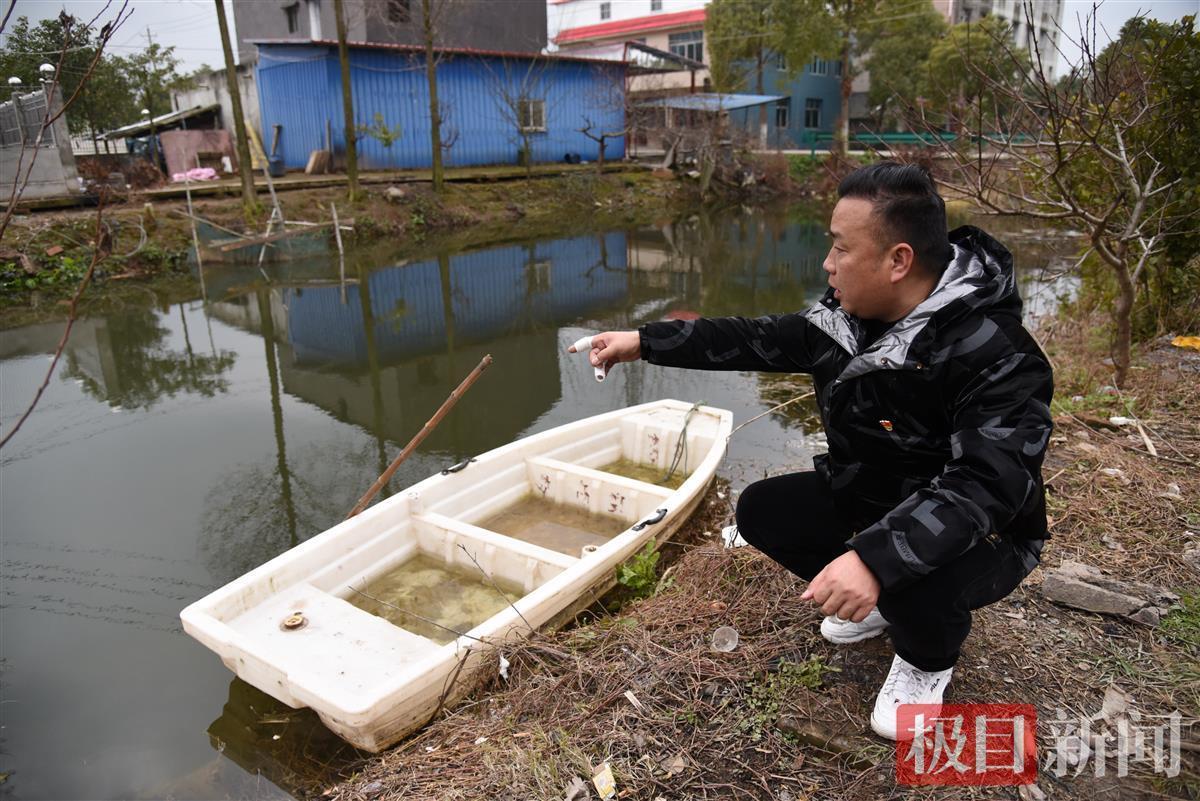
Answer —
(711, 101)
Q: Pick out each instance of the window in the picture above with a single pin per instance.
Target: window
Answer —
(837, 68)
(783, 112)
(689, 45)
(655, 5)
(605, 10)
(819, 66)
(531, 115)
(812, 112)
(781, 62)
(292, 13)
(399, 11)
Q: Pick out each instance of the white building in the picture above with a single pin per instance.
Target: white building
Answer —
(1043, 28)
(601, 29)
(579, 21)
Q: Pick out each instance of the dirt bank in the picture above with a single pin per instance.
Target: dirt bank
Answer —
(44, 254)
(784, 715)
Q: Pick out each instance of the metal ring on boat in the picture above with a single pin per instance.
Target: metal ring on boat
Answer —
(659, 514)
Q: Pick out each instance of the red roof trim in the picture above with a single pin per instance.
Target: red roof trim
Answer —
(624, 26)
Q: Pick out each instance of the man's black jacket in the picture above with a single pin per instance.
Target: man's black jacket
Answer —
(936, 430)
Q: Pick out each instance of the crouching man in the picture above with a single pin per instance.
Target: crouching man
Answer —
(935, 402)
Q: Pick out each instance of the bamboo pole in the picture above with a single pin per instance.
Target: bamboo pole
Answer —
(187, 188)
(447, 405)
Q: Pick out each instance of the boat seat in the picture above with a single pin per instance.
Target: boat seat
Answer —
(310, 661)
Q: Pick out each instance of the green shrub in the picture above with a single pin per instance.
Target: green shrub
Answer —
(638, 574)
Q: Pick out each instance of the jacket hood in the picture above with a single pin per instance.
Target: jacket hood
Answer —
(980, 275)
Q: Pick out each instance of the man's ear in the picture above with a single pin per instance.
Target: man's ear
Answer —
(900, 261)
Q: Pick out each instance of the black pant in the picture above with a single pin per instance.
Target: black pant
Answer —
(791, 518)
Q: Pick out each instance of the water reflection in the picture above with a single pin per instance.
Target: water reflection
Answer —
(240, 439)
(126, 360)
(127, 365)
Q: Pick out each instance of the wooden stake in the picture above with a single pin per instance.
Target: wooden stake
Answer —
(484, 363)
(337, 233)
(187, 188)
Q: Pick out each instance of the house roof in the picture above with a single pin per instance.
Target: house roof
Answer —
(710, 101)
(625, 27)
(161, 121)
(419, 49)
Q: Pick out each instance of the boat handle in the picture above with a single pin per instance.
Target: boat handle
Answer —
(659, 514)
(454, 468)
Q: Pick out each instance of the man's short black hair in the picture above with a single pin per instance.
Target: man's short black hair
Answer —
(908, 209)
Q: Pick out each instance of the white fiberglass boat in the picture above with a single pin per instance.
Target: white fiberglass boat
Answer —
(378, 621)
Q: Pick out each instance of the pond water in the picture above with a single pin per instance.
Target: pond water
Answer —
(177, 448)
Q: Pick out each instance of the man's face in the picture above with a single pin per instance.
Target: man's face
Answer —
(859, 259)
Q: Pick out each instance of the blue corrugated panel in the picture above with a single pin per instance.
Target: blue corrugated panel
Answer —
(491, 294)
(299, 87)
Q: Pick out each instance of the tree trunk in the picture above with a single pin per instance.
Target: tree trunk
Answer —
(847, 83)
(245, 165)
(762, 109)
(1123, 317)
(435, 112)
(339, 12)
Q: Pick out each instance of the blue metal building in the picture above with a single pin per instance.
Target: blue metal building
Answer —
(484, 97)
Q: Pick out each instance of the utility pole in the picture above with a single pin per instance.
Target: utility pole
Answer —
(339, 11)
(245, 165)
(153, 76)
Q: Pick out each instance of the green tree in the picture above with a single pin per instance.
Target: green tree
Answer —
(740, 39)
(1110, 152)
(106, 99)
(897, 55)
(1171, 52)
(154, 75)
(971, 71)
(830, 29)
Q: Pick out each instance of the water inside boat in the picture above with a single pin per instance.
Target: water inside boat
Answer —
(454, 597)
(644, 472)
(558, 527)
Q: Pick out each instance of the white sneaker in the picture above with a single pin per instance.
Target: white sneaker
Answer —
(731, 538)
(842, 632)
(906, 684)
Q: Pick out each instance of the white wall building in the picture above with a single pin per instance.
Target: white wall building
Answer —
(613, 15)
(1043, 28)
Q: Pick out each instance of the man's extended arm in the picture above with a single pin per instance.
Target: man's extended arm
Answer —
(1001, 427)
(776, 343)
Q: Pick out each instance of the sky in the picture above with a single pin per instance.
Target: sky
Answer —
(191, 25)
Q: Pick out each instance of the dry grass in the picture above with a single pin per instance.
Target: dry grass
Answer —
(707, 724)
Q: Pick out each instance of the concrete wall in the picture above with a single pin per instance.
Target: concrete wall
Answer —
(53, 164)
(213, 88)
(255, 19)
(515, 25)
